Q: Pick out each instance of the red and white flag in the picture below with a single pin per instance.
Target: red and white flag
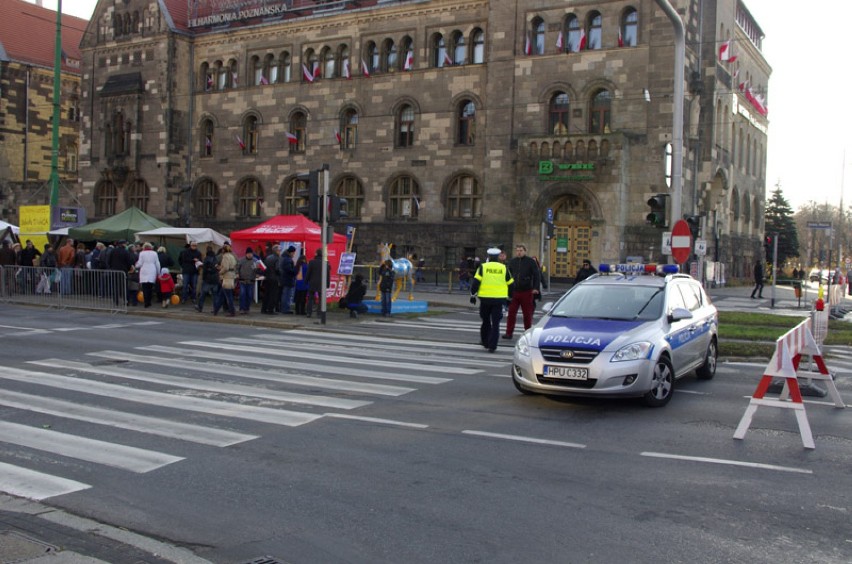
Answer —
(208, 143)
(409, 61)
(306, 74)
(264, 80)
(291, 138)
(209, 82)
(337, 135)
(726, 52)
(448, 62)
(365, 70)
(527, 45)
(581, 46)
(347, 73)
(620, 39)
(234, 81)
(240, 142)
(560, 41)
(317, 70)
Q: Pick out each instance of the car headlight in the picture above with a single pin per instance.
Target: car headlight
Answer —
(522, 347)
(633, 351)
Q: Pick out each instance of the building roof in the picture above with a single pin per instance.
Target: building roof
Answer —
(28, 32)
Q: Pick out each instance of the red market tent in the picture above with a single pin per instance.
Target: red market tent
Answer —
(299, 231)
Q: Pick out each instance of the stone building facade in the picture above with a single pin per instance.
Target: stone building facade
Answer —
(27, 40)
(449, 126)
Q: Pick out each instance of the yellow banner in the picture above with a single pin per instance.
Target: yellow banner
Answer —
(35, 223)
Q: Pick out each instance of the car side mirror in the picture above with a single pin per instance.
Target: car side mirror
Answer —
(547, 307)
(678, 314)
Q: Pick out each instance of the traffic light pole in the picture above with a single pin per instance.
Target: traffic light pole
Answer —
(774, 268)
(323, 182)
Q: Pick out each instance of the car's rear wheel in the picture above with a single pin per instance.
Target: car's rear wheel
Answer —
(662, 385)
(707, 370)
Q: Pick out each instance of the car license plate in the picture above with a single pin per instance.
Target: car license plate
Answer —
(566, 372)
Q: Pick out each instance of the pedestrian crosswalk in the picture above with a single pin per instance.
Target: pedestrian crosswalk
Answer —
(214, 393)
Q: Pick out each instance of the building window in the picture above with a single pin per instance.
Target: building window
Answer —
(389, 55)
(538, 36)
(404, 198)
(291, 202)
(329, 63)
(206, 199)
(459, 49)
(630, 28)
(599, 113)
(106, 199)
(349, 136)
(373, 57)
(299, 128)
(233, 77)
(207, 129)
(312, 64)
(256, 70)
(250, 135)
(594, 32)
(559, 114)
(407, 50)
(285, 72)
(478, 40)
(405, 126)
(118, 136)
(249, 198)
(138, 195)
(466, 123)
(464, 198)
(351, 188)
(221, 76)
(343, 56)
(574, 33)
(71, 157)
(440, 57)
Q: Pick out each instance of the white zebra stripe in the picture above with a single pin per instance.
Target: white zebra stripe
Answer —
(30, 484)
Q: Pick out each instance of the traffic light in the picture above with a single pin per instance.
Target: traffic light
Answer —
(307, 195)
(549, 230)
(767, 245)
(339, 209)
(658, 215)
(694, 222)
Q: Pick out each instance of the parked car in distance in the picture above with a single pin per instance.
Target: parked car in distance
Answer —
(818, 275)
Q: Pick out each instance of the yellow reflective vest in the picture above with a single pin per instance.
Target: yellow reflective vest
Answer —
(494, 280)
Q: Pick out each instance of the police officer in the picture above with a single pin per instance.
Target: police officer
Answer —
(491, 284)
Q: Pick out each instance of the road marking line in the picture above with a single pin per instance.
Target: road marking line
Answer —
(693, 392)
(523, 439)
(82, 448)
(22, 482)
(728, 462)
(376, 420)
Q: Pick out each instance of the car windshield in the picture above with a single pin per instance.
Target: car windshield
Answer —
(611, 301)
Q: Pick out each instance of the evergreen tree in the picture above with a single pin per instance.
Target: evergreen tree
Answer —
(778, 218)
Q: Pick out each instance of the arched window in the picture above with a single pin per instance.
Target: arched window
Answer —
(735, 204)
(206, 77)
(251, 133)
(207, 131)
(746, 209)
(106, 199)
(390, 60)
(599, 112)
(299, 128)
(538, 43)
(594, 33)
(269, 63)
(349, 127)
(373, 57)
(285, 72)
(118, 136)
(71, 157)
(748, 154)
(466, 123)
(292, 200)
(407, 45)
(221, 76)
(574, 33)
(344, 63)
(256, 66)
(249, 198)
(559, 114)
(464, 198)
(351, 188)
(138, 195)
(459, 49)
(329, 63)
(233, 78)
(206, 201)
(439, 51)
(312, 64)
(404, 198)
(405, 126)
(630, 28)
(478, 40)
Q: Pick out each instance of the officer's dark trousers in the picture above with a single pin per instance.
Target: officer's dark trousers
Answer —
(491, 312)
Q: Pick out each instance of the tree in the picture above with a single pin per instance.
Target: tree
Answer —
(818, 242)
(778, 219)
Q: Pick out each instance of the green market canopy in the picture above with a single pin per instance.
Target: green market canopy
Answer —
(121, 226)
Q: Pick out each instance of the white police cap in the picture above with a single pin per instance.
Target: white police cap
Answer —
(494, 252)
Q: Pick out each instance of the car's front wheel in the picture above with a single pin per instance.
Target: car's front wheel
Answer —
(662, 385)
(707, 370)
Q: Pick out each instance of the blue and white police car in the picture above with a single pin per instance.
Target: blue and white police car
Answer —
(630, 330)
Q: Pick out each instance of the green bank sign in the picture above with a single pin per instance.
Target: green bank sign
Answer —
(548, 170)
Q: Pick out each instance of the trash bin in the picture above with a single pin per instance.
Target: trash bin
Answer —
(797, 289)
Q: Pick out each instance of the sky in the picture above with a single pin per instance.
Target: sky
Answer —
(808, 135)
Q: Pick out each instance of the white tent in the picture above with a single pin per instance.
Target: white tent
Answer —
(184, 235)
(8, 232)
(4, 225)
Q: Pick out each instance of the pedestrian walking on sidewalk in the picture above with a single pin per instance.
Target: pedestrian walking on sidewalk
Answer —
(758, 279)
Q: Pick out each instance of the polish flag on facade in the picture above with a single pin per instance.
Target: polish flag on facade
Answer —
(726, 52)
(291, 139)
(337, 135)
(365, 70)
(448, 62)
(209, 82)
(347, 73)
(409, 61)
(317, 70)
(208, 143)
(560, 41)
(581, 46)
(264, 80)
(306, 74)
(620, 39)
(527, 45)
(240, 142)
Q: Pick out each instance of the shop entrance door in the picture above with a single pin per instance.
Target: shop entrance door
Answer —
(571, 244)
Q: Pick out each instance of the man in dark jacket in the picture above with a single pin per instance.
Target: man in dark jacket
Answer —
(758, 279)
(584, 272)
(287, 278)
(121, 260)
(527, 277)
(314, 280)
(271, 282)
(189, 259)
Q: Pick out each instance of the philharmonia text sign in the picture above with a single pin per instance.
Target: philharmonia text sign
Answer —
(217, 12)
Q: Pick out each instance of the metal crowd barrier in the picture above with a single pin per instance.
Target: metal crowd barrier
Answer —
(65, 288)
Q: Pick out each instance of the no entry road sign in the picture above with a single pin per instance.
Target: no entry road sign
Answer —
(681, 241)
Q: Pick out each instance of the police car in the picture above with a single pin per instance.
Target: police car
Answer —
(630, 330)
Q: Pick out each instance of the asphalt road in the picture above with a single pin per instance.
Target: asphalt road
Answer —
(401, 440)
